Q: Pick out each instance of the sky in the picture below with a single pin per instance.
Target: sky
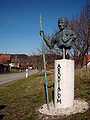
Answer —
(20, 22)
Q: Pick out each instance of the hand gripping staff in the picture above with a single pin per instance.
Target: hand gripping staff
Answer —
(44, 65)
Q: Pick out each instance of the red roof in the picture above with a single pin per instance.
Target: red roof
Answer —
(5, 57)
(85, 59)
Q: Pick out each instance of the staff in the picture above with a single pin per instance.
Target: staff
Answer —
(44, 65)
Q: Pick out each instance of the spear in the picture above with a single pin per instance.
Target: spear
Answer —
(44, 65)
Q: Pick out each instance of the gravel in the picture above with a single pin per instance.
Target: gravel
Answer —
(79, 106)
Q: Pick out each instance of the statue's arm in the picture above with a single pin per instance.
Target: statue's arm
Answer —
(70, 36)
(50, 43)
(47, 41)
(74, 36)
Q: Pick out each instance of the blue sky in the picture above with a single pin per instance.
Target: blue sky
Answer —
(20, 25)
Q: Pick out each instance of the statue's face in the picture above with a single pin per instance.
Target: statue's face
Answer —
(62, 23)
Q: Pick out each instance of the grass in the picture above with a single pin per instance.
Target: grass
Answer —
(82, 83)
(22, 97)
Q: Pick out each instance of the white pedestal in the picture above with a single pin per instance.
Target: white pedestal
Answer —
(64, 83)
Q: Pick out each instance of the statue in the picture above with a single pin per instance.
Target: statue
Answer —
(63, 38)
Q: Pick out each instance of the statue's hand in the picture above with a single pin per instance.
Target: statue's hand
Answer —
(41, 33)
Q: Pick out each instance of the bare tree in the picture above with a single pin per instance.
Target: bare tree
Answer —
(81, 25)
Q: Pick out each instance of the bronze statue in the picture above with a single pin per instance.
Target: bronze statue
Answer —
(63, 38)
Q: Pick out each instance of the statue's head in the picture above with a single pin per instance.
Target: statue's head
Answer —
(62, 23)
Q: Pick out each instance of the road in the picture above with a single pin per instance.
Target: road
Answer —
(10, 77)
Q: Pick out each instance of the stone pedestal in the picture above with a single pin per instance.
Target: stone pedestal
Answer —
(64, 83)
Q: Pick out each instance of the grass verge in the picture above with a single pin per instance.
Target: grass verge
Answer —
(22, 97)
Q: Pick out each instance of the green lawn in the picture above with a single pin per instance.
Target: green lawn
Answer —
(23, 97)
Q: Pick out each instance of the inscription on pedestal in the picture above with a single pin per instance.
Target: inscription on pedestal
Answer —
(59, 88)
(64, 83)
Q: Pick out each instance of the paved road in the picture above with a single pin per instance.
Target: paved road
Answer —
(10, 77)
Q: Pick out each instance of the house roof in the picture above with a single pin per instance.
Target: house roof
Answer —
(87, 60)
(5, 57)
